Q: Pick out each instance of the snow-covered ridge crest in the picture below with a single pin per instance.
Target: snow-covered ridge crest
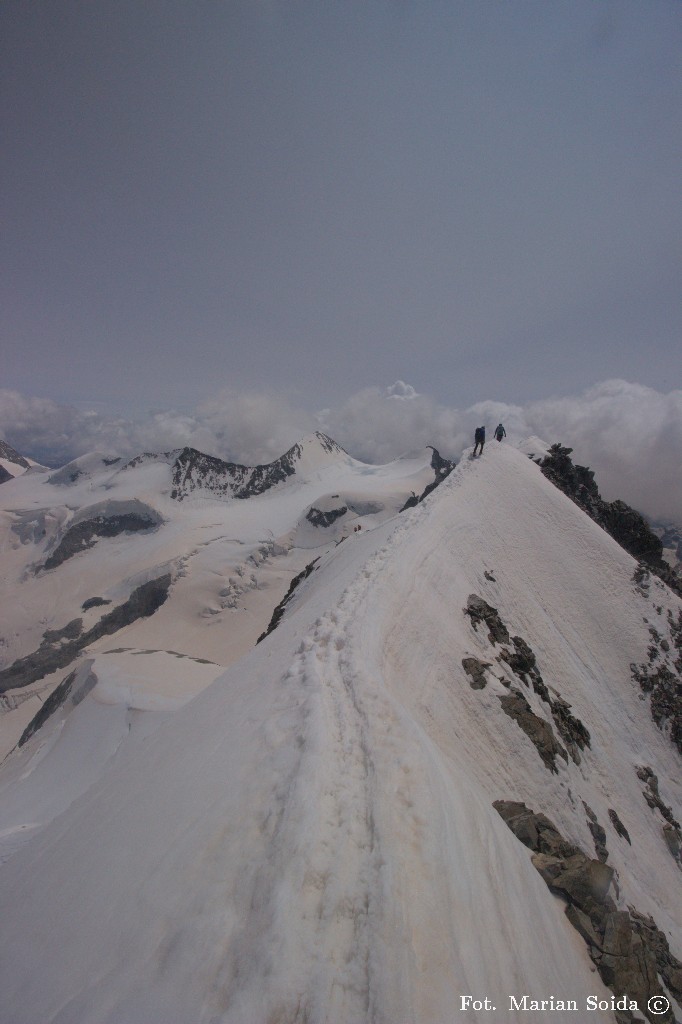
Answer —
(83, 468)
(314, 836)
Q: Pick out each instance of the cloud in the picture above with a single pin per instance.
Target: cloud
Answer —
(44, 429)
(242, 427)
(380, 424)
(253, 427)
(629, 434)
(401, 390)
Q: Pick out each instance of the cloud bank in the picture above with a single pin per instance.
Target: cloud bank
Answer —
(629, 434)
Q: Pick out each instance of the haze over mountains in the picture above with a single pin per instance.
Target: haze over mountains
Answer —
(630, 434)
(321, 740)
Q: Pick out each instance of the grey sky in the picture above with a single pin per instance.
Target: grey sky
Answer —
(481, 198)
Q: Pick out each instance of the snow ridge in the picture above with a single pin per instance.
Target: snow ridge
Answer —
(313, 837)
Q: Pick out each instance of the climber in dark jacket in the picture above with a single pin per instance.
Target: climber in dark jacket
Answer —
(479, 438)
(500, 432)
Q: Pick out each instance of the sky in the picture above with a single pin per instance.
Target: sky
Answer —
(291, 207)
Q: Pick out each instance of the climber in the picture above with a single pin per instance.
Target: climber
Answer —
(500, 432)
(479, 438)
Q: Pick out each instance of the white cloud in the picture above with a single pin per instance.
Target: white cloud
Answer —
(253, 427)
(401, 390)
(378, 424)
(44, 429)
(629, 434)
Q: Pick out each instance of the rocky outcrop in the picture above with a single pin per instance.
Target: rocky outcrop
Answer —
(324, 519)
(598, 833)
(11, 455)
(619, 827)
(110, 519)
(282, 606)
(442, 469)
(627, 948)
(94, 602)
(655, 940)
(632, 532)
(627, 526)
(575, 735)
(671, 539)
(671, 830)
(522, 662)
(480, 612)
(59, 647)
(75, 688)
(475, 669)
(652, 796)
(661, 676)
(675, 627)
(192, 470)
(262, 478)
(537, 729)
(517, 655)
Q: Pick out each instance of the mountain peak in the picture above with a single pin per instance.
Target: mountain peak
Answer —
(313, 449)
(9, 453)
(12, 464)
(328, 444)
(193, 470)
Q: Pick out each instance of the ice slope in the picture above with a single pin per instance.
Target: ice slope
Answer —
(312, 837)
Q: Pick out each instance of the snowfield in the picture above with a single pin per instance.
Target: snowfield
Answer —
(303, 830)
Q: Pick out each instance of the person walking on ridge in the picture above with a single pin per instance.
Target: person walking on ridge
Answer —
(479, 438)
(500, 432)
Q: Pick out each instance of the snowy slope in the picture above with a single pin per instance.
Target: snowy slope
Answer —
(312, 837)
(76, 544)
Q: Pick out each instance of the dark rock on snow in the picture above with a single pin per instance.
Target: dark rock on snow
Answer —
(619, 826)
(60, 647)
(441, 467)
(538, 731)
(109, 522)
(522, 662)
(628, 949)
(324, 519)
(479, 611)
(11, 455)
(627, 526)
(71, 687)
(671, 831)
(476, 670)
(282, 606)
(598, 833)
(94, 602)
(661, 677)
(192, 470)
